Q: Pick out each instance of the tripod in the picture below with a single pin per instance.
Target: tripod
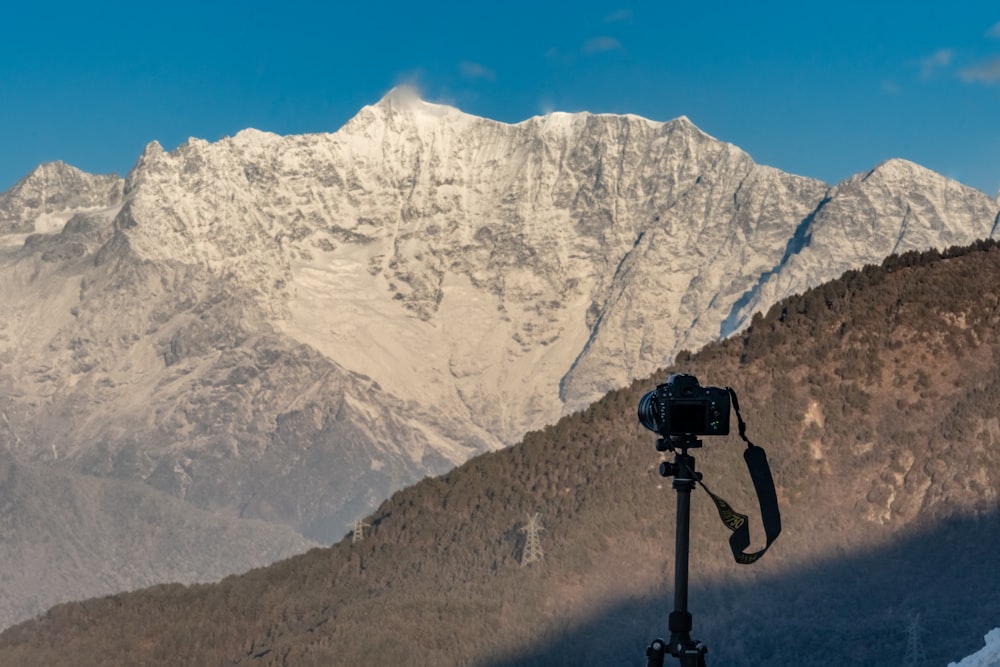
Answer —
(690, 652)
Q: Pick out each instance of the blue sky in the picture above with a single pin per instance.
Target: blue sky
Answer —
(819, 90)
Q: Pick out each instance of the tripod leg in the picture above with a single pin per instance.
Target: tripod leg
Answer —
(689, 652)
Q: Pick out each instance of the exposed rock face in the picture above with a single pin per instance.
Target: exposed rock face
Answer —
(40, 201)
(289, 328)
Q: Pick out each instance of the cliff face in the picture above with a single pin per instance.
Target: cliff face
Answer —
(290, 328)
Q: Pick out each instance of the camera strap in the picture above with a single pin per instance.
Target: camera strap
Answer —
(767, 497)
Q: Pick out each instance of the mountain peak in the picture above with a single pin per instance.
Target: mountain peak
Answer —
(54, 173)
(47, 169)
(899, 170)
(406, 99)
(899, 165)
(403, 107)
(51, 188)
(153, 148)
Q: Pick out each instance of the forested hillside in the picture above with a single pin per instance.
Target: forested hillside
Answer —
(876, 399)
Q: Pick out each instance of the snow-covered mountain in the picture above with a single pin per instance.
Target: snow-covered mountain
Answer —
(450, 257)
(290, 328)
(988, 656)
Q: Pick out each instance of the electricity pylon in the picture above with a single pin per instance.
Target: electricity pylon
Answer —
(915, 655)
(359, 531)
(532, 543)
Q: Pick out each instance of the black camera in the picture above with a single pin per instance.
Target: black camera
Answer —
(682, 407)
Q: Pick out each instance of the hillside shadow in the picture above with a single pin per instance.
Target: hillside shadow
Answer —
(852, 610)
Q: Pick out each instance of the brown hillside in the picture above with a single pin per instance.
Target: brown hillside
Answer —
(875, 397)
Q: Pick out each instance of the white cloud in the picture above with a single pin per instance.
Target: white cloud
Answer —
(602, 45)
(471, 70)
(620, 15)
(987, 71)
(546, 105)
(890, 87)
(937, 61)
(555, 55)
(406, 94)
(994, 31)
(411, 81)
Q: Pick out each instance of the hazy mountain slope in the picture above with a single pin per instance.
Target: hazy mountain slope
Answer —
(68, 536)
(875, 398)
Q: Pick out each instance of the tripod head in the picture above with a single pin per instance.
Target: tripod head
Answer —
(672, 443)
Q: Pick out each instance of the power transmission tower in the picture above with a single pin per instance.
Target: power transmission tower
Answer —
(915, 654)
(359, 531)
(532, 543)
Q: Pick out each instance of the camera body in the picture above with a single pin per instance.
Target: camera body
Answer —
(682, 407)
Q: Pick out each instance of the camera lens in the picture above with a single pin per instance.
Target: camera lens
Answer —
(649, 409)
